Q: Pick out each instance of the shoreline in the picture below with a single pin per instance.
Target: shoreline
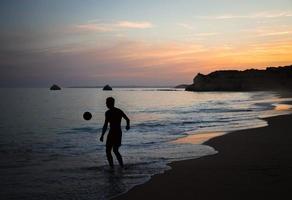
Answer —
(202, 137)
(251, 163)
(198, 138)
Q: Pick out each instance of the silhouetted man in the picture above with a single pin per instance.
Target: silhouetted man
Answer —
(113, 116)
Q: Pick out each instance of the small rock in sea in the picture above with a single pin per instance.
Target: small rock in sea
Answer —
(107, 87)
(55, 87)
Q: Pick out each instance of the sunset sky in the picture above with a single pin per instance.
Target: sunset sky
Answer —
(132, 42)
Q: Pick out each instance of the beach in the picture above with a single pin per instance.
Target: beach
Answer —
(139, 100)
(250, 164)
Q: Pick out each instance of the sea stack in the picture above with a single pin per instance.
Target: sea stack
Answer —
(107, 87)
(55, 87)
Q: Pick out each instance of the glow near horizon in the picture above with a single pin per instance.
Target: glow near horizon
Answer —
(139, 43)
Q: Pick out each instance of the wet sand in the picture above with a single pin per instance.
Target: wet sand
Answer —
(197, 138)
(251, 164)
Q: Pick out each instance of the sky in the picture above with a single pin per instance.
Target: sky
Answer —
(135, 42)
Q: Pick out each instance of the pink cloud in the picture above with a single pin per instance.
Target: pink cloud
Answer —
(134, 25)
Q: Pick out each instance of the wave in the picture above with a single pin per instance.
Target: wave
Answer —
(87, 129)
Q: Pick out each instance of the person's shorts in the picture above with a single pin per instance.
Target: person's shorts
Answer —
(114, 138)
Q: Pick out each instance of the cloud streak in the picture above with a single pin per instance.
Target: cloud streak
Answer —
(275, 33)
(185, 26)
(112, 26)
(249, 16)
(133, 25)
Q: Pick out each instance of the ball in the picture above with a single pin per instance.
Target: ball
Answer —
(87, 115)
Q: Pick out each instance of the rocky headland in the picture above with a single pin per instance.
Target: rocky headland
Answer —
(272, 78)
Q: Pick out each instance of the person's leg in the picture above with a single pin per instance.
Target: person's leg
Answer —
(109, 155)
(118, 155)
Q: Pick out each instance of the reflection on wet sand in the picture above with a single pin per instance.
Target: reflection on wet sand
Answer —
(197, 138)
(283, 107)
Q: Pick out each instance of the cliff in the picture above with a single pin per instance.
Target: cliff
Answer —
(272, 78)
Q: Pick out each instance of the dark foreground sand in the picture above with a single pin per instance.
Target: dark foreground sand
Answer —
(251, 164)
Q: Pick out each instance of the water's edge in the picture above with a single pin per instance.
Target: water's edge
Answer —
(168, 165)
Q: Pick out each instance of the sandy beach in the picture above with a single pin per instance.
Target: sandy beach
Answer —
(251, 164)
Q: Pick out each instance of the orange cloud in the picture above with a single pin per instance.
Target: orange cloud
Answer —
(175, 62)
(257, 55)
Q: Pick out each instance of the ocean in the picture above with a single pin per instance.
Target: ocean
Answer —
(48, 151)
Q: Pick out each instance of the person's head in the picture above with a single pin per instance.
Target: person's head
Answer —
(110, 102)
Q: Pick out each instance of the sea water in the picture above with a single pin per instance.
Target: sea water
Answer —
(48, 151)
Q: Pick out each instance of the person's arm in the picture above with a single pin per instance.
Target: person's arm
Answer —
(127, 120)
(104, 128)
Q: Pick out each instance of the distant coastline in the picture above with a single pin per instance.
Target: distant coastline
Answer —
(124, 86)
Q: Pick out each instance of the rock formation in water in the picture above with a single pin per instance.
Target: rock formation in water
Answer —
(55, 87)
(107, 87)
(272, 78)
